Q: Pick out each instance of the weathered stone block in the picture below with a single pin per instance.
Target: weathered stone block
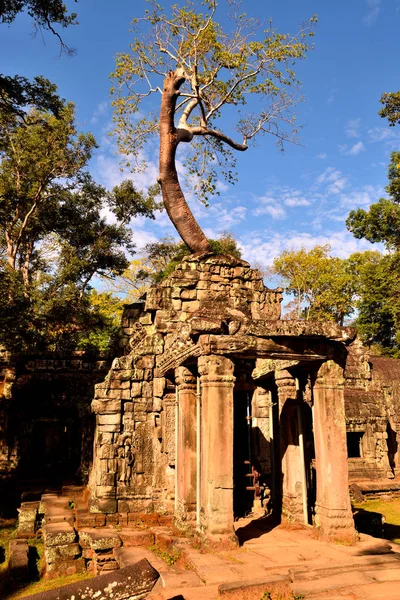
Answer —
(18, 567)
(188, 294)
(107, 479)
(65, 566)
(158, 386)
(105, 491)
(124, 375)
(52, 553)
(105, 407)
(147, 389)
(139, 537)
(99, 540)
(190, 306)
(136, 389)
(119, 384)
(157, 404)
(58, 534)
(176, 304)
(114, 419)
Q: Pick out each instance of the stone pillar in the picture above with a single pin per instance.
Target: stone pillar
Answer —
(217, 383)
(186, 447)
(333, 515)
(291, 459)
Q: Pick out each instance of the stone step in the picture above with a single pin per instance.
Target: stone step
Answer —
(171, 577)
(136, 537)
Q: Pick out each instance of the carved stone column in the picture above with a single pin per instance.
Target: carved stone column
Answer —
(291, 459)
(217, 383)
(332, 510)
(186, 449)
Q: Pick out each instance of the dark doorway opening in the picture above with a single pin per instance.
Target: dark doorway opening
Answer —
(243, 478)
(309, 460)
(392, 445)
(354, 444)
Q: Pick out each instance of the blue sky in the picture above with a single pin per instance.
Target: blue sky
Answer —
(299, 198)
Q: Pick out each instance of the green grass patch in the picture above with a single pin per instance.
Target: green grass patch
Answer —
(168, 556)
(390, 510)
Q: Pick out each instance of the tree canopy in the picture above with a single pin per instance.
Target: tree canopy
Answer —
(17, 93)
(54, 237)
(362, 290)
(391, 107)
(200, 71)
(322, 285)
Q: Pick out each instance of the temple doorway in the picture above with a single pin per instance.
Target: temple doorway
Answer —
(243, 479)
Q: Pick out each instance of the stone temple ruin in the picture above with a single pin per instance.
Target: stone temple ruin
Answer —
(213, 409)
(209, 412)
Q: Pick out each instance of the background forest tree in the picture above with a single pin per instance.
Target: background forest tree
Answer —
(379, 313)
(53, 235)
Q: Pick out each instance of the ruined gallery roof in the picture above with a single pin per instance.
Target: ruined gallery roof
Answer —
(385, 368)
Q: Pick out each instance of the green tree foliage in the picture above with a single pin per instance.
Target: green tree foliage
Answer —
(378, 299)
(322, 286)
(200, 71)
(391, 107)
(17, 93)
(379, 282)
(46, 14)
(54, 236)
(163, 256)
(381, 222)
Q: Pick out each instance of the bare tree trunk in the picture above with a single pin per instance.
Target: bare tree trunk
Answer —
(11, 252)
(174, 200)
(26, 264)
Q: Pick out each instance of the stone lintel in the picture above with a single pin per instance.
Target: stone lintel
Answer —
(313, 329)
(268, 366)
(264, 348)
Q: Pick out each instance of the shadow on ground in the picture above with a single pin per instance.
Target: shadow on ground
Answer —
(256, 528)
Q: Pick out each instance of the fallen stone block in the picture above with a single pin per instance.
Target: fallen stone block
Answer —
(18, 565)
(68, 551)
(27, 516)
(65, 566)
(131, 583)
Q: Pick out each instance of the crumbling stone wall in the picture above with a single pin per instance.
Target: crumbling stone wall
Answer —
(46, 424)
(372, 396)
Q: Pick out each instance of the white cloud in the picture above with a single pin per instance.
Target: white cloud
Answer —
(362, 197)
(270, 206)
(100, 111)
(334, 178)
(356, 149)
(109, 172)
(351, 150)
(264, 247)
(383, 134)
(321, 156)
(353, 127)
(226, 217)
(297, 201)
(374, 8)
